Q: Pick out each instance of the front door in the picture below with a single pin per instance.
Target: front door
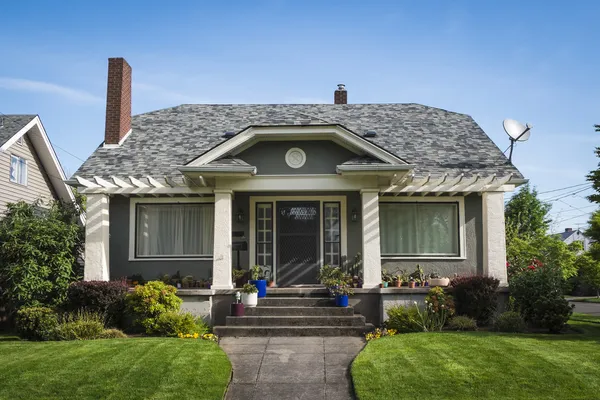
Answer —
(298, 238)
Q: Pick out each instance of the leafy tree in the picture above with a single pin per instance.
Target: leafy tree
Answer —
(593, 231)
(523, 252)
(594, 176)
(589, 268)
(39, 248)
(526, 215)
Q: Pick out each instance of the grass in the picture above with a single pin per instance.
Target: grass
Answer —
(482, 365)
(587, 300)
(140, 368)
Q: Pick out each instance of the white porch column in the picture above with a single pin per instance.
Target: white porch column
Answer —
(494, 236)
(371, 250)
(96, 266)
(222, 240)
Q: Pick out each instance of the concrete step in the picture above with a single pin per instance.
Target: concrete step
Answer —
(355, 320)
(298, 311)
(255, 331)
(296, 301)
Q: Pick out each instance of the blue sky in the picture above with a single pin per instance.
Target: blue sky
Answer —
(537, 63)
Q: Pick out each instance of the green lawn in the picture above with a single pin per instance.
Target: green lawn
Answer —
(140, 368)
(482, 365)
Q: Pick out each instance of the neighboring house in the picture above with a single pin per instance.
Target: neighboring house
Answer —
(304, 184)
(569, 236)
(29, 167)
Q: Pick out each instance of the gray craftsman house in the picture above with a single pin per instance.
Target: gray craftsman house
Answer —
(302, 184)
(29, 167)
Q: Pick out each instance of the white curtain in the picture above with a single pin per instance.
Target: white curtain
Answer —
(418, 228)
(175, 229)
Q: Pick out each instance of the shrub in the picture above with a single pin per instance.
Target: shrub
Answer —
(439, 300)
(36, 323)
(82, 325)
(510, 321)
(462, 323)
(151, 300)
(172, 324)
(107, 298)
(112, 334)
(539, 298)
(476, 297)
(403, 319)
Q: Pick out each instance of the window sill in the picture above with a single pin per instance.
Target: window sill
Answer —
(432, 258)
(172, 259)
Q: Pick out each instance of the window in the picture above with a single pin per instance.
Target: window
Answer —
(419, 229)
(331, 237)
(21, 140)
(264, 234)
(174, 230)
(18, 170)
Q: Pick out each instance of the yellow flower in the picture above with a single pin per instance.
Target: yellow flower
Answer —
(196, 335)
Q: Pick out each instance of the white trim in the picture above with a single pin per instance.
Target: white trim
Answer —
(290, 163)
(274, 199)
(461, 226)
(17, 172)
(273, 183)
(159, 200)
(296, 132)
(112, 146)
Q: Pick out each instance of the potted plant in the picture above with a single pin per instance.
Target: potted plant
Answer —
(342, 290)
(398, 280)
(237, 307)
(436, 280)
(411, 282)
(187, 281)
(249, 295)
(257, 278)
(238, 277)
(137, 279)
(270, 283)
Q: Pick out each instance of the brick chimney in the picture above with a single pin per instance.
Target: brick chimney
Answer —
(568, 229)
(340, 96)
(118, 101)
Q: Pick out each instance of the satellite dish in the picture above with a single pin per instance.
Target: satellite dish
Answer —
(517, 132)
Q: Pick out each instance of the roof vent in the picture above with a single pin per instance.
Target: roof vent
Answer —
(370, 134)
(229, 134)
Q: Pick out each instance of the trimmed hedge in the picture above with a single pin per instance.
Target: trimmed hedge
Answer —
(510, 321)
(107, 298)
(36, 323)
(476, 297)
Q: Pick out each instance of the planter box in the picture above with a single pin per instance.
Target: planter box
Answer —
(237, 309)
(250, 300)
(341, 300)
(439, 281)
(261, 285)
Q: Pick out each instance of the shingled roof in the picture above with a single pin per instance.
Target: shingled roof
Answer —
(11, 124)
(435, 140)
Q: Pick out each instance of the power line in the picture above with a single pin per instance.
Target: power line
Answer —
(71, 154)
(563, 195)
(577, 216)
(564, 188)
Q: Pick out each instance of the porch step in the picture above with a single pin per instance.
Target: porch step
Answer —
(230, 331)
(297, 321)
(299, 301)
(260, 311)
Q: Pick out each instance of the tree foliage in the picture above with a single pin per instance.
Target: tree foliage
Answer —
(589, 268)
(594, 176)
(39, 247)
(526, 215)
(548, 249)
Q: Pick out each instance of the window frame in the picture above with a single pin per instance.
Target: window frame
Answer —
(271, 243)
(460, 201)
(133, 203)
(339, 241)
(18, 158)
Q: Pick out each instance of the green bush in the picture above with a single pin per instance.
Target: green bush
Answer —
(107, 298)
(403, 319)
(539, 299)
(83, 325)
(462, 323)
(151, 300)
(36, 323)
(510, 321)
(112, 334)
(476, 297)
(172, 323)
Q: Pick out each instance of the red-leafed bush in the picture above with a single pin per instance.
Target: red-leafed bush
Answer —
(476, 297)
(106, 298)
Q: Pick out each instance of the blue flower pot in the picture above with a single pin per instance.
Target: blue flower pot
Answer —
(341, 300)
(261, 285)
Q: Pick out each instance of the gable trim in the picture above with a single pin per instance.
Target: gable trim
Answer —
(291, 132)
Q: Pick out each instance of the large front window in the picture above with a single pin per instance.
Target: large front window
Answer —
(174, 230)
(419, 229)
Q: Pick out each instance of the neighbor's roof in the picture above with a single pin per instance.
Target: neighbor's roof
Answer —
(11, 124)
(435, 140)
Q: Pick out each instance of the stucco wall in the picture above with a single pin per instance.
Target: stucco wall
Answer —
(322, 156)
(120, 265)
(472, 264)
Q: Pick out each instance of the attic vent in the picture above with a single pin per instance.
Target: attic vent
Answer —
(228, 134)
(370, 134)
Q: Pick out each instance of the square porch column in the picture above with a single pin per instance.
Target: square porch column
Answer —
(222, 256)
(96, 267)
(494, 237)
(371, 250)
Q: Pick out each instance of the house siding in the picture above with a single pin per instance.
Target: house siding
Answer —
(38, 185)
(322, 157)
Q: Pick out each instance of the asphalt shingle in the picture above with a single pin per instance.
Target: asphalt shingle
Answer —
(11, 124)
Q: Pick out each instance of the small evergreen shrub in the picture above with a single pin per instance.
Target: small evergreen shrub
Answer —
(476, 297)
(106, 298)
(36, 323)
(112, 334)
(403, 319)
(510, 321)
(172, 324)
(151, 300)
(462, 323)
(83, 325)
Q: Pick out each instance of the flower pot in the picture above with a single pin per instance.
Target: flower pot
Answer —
(237, 309)
(411, 285)
(398, 283)
(439, 281)
(381, 285)
(271, 284)
(261, 285)
(250, 299)
(341, 300)
(385, 284)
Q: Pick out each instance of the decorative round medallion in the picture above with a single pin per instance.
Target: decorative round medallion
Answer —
(295, 157)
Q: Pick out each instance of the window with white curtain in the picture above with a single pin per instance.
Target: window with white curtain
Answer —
(419, 229)
(18, 170)
(174, 230)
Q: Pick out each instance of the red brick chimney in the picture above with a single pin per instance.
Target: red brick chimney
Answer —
(118, 101)
(340, 96)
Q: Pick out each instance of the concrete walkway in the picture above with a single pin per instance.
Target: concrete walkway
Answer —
(315, 368)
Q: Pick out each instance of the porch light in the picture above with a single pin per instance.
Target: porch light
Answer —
(240, 215)
(354, 215)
